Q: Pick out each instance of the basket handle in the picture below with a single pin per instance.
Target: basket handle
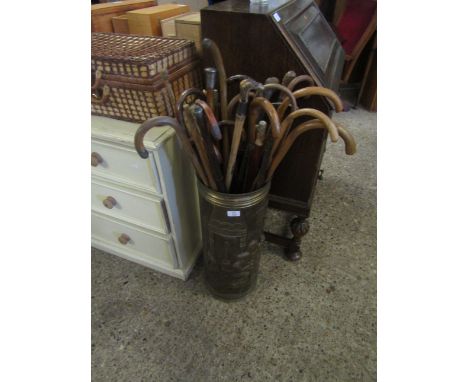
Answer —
(97, 80)
(105, 96)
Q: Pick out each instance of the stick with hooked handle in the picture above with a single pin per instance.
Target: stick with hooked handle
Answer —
(297, 80)
(288, 121)
(183, 139)
(350, 144)
(268, 93)
(288, 77)
(313, 91)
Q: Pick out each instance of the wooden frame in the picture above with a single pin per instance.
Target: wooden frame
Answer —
(351, 59)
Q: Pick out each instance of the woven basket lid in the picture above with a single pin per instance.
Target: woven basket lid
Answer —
(137, 56)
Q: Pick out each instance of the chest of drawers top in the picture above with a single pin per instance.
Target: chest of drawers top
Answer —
(122, 133)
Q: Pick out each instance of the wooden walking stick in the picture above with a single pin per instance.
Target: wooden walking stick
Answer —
(192, 92)
(198, 113)
(255, 155)
(245, 87)
(213, 123)
(297, 80)
(260, 106)
(210, 47)
(268, 93)
(232, 105)
(286, 93)
(260, 178)
(350, 144)
(210, 87)
(181, 135)
(287, 122)
(197, 139)
(288, 77)
(313, 91)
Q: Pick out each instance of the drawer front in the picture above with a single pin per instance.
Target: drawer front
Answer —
(125, 164)
(125, 204)
(133, 240)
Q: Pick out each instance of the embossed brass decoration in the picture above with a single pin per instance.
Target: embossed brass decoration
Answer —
(232, 226)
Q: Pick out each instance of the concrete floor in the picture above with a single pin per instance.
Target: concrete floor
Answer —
(314, 320)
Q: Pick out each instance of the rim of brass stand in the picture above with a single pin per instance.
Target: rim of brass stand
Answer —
(233, 200)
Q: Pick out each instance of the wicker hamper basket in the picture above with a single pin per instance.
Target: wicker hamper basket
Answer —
(127, 74)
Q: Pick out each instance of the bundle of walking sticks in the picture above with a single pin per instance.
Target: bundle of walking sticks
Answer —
(236, 146)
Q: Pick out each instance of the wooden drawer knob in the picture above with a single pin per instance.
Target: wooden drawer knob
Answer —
(109, 202)
(95, 159)
(124, 238)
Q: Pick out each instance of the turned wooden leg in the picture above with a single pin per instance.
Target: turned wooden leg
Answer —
(299, 227)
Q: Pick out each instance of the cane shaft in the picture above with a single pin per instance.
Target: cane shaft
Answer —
(208, 143)
(236, 137)
(265, 163)
(198, 142)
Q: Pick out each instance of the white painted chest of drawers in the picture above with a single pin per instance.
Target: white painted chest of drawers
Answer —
(144, 210)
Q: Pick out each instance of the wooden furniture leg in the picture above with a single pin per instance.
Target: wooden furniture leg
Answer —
(299, 227)
(292, 246)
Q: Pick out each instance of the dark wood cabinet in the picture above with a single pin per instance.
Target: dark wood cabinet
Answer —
(269, 40)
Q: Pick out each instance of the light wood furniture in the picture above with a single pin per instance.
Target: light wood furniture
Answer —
(195, 5)
(145, 211)
(168, 25)
(120, 24)
(147, 21)
(188, 27)
(102, 14)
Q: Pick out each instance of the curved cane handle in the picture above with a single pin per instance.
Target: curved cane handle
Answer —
(239, 77)
(213, 123)
(231, 108)
(286, 93)
(284, 148)
(297, 80)
(97, 80)
(163, 121)
(313, 91)
(288, 121)
(192, 92)
(288, 77)
(105, 96)
(258, 105)
(350, 143)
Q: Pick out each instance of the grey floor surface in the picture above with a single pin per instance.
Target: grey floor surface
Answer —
(314, 320)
